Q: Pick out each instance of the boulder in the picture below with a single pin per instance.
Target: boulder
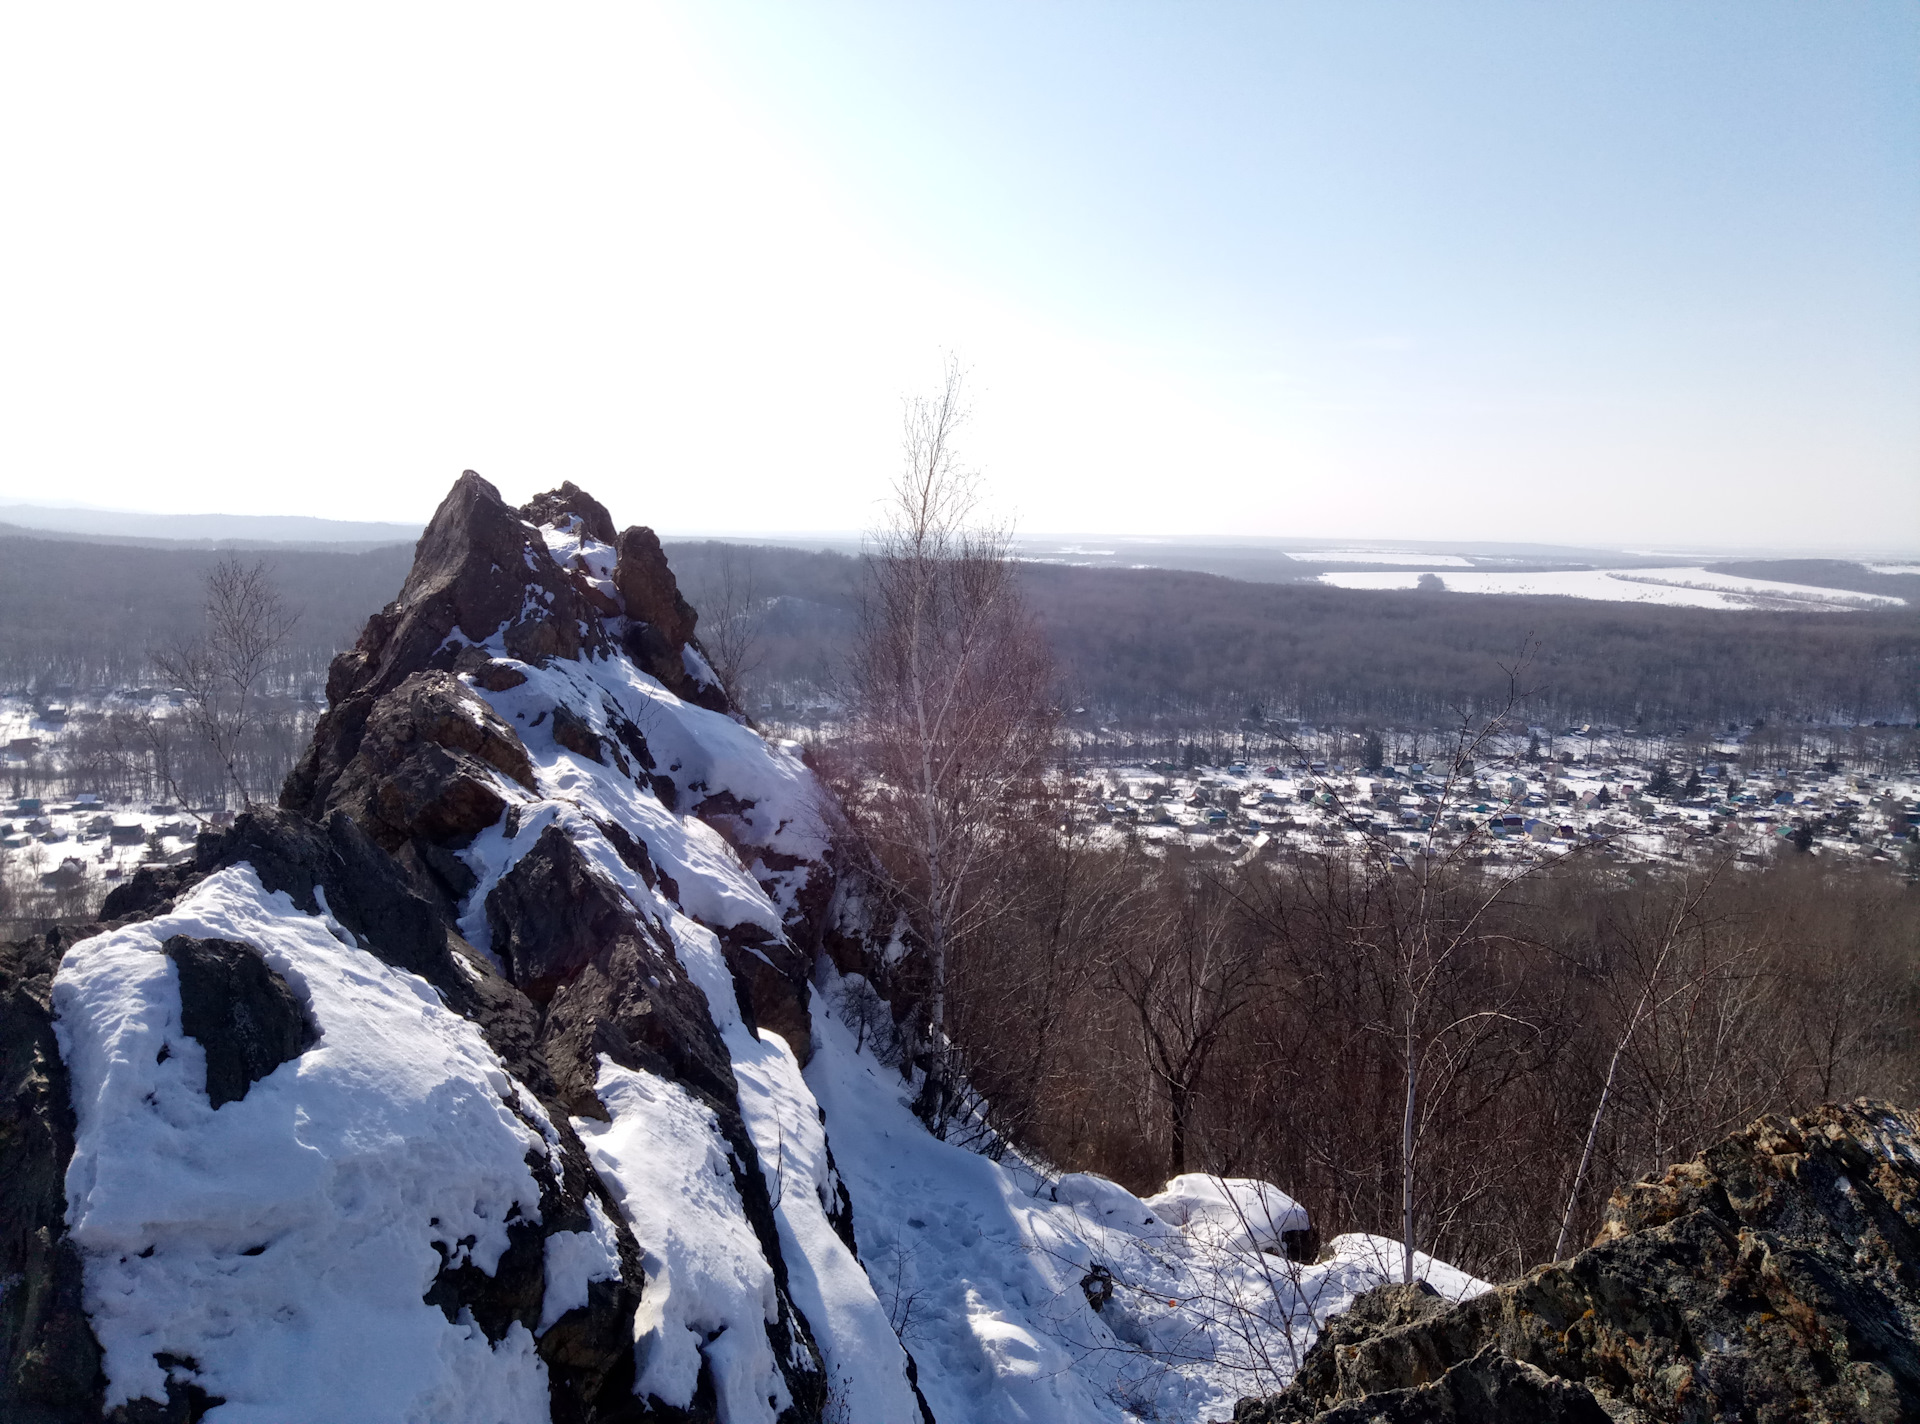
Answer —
(648, 589)
(1775, 1277)
(660, 620)
(551, 915)
(239, 1010)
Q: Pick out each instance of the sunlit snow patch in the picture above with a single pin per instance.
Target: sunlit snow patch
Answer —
(710, 1292)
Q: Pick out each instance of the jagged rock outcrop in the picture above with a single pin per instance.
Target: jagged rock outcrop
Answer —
(1775, 1277)
(661, 630)
(528, 791)
(413, 750)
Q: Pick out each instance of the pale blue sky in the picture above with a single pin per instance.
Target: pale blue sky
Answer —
(1626, 271)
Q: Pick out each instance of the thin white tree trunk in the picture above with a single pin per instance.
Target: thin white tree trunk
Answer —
(1406, 1155)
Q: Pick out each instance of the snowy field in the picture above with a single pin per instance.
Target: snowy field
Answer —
(1693, 587)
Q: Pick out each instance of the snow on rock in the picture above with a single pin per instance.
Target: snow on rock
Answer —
(772, 802)
(1358, 1262)
(574, 547)
(259, 1245)
(697, 668)
(575, 1260)
(709, 1289)
(1107, 1202)
(866, 1365)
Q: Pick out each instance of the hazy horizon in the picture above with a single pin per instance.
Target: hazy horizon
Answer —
(358, 530)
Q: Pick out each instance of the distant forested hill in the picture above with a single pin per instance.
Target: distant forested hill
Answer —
(1144, 644)
(1135, 645)
(1143, 641)
(88, 614)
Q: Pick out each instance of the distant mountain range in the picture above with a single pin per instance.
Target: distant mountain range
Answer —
(238, 530)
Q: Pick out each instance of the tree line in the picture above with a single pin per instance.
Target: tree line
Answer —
(1157, 648)
(89, 617)
(1141, 1016)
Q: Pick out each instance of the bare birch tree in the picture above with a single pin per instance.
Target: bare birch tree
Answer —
(951, 697)
(1430, 929)
(224, 676)
(1650, 961)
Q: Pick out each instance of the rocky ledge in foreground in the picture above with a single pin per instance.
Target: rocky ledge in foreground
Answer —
(1775, 1277)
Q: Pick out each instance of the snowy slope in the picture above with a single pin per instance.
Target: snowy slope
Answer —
(981, 1266)
(703, 752)
(711, 1274)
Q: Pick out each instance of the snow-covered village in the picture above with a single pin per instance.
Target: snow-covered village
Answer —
(829, 712)
(1625, 808)
(1620, 795)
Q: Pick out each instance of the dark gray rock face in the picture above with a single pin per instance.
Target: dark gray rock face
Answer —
(1488, 1387)
(662, 621)
(49, 1360)
(1775, 1277)
(414, 767)
(550, 915)
(473, 571)
(239, 1010)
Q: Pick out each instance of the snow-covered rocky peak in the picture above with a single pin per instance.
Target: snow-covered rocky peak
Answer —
(530, 823)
